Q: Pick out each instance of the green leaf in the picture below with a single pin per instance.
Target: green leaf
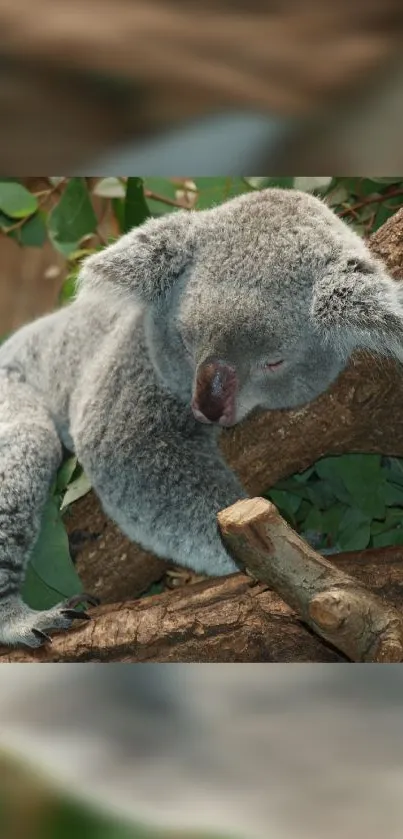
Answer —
(76, 489)
(136, 208)
(33, 233)
(321, 494)
(286, 502)
(332, 518)
(391, 537)
(51, 575)
(393, 494)
(214, 191)
(65, 474)
(303, 476)
(362, 477)
(393, 518)
(118, 206)
(393, 469)
(72, 218)
(68, 289)
(291, 485)
(16, 201)
(314, 521)
(355, 531)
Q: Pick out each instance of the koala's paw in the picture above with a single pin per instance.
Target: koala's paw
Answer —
(21, 625)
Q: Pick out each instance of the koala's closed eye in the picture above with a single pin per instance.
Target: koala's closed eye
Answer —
(274, 365)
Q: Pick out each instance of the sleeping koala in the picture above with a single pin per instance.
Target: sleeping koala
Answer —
(183, 326)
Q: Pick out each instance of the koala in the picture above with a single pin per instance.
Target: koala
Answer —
(257, 752)
(181, 328)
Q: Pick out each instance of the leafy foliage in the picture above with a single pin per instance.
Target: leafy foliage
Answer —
(341, 503)
(345, 503)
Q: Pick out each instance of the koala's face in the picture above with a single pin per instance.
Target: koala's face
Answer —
(243, 314)
(256, 303)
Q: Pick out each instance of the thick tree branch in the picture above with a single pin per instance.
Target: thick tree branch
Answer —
(224, 620)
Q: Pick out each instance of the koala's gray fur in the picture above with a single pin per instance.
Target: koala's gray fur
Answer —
(269, 276)
(257, 752)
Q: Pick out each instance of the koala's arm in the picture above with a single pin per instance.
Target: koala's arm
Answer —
(188, 484)
(30, 453)
(164, 491)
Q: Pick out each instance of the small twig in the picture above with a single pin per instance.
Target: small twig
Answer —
(165, 200)
(376, 199)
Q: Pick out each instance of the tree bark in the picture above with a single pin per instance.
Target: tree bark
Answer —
(230, 619)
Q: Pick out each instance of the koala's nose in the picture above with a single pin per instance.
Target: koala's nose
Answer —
(215, 389)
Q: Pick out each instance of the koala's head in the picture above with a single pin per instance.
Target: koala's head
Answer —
(258, 302)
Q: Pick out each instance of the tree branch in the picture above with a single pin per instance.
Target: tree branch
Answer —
(334, 604)
(225, 620)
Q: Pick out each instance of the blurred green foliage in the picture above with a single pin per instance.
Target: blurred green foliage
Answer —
(342, 503)
(31, 809)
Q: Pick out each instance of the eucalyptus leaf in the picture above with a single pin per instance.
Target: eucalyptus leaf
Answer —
(355, 530)
(286, 502)
(16, 201)
(393, 469)
(390, 537)
(393, 494)
(213, 191)
(33, 233)
(136, 208)
(65, 474)
(51, 575)
(75, 490)
(72, 218)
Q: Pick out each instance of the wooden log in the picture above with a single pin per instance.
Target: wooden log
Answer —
(334, 604)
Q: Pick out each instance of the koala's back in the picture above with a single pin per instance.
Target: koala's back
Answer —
(54, 353)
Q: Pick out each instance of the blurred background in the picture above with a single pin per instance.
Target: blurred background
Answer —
(167, 87)
(258, 751)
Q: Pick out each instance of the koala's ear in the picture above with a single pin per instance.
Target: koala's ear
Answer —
(145, 262)
(357, 305)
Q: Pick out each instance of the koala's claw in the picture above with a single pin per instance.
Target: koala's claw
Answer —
(42, 637)
(75, 614)
(20, 625)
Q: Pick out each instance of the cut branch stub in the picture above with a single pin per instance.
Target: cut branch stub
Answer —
(333, 604)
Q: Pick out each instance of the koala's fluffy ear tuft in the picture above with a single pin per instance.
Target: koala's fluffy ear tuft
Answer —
(356, 305)
(145, 262)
